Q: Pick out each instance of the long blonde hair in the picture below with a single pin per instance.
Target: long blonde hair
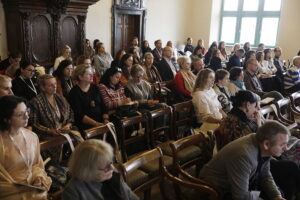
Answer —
(202, 79)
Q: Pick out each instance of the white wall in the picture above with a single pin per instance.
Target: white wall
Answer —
(99, 22)
(3, 40)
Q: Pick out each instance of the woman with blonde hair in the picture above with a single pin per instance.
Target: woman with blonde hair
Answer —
(65, 54)
(93, 174)
(205, 100)
(184, 79)
(151, 73)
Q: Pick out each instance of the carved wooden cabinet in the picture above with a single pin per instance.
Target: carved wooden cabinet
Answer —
(39, 28)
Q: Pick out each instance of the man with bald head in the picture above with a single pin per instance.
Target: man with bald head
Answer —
(5, 86)
(166, 67)
(292, 77)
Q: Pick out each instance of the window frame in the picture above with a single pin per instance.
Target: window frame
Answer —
(259, 15)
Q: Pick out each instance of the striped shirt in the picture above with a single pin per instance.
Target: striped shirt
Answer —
(292, 77)
(111, 96)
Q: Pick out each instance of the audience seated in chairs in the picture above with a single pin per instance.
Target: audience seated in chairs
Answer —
(215, 61)
(126, 65)
(13, 59)
(66, 54)
(20, 159)
(5, 86)
(236, 80)
(221, 89)
(51, 113)
(151, 73)
(253, 84)
(263, 69)
(185, 80)
(207, 107)
(292, 77)
(166, 67)
(223, 54)
(102, 60)
(63, 75)
(117, 58)
(145, 48)
(93, 174)
(24, 86)
(85, 100)
(241, 170)
(139, 90)
(157, 52)
(197, 65)
(112, 91)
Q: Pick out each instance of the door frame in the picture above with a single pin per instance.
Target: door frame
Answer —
(116, 11)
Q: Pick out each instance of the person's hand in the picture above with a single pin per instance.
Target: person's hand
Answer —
(257, 118)
(67, 127)
(152, 102)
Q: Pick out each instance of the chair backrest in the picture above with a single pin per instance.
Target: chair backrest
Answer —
(153, 157)
(295, 101)
(285, 113)
(137, 125)
(96, 132)
(183, 115)
(199, 141)
(164, 115)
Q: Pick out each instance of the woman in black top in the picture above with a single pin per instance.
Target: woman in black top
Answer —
(63, 78)
(86, 101)
(215, 62)
(24, 86)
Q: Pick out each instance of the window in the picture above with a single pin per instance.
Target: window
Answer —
(254, 21)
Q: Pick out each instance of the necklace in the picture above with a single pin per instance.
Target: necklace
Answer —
(31, 87)
(24, 158)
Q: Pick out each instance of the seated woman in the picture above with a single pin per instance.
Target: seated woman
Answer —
(263, 69)
(269, 60)
(248, 55)
(24, 86)
(184, 80)
(20, 159)
(126, 64)
(139, 90)
(207, 106)
(134, 51)
(223, 54)
(5, 86)
(151, 73)
(51, 113)
(145, 47)
(83, 60)
(200, 44)
(111, 90)
(215, 61)
(85, 99)
(196, 54)
(63, 75)
(102, 60)
(224, 96)
(66, 54)
(236, 80)
(93, 174)
(117, 58)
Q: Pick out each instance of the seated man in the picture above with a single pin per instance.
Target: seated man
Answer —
(197, 65)
(241, 170)
(5, 86)
(253, 84)
(278, 62)
(166, 67)
(235, 60)
(157, 52)
(292, 77)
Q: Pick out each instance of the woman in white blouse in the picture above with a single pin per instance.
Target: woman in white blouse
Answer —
(205, 100)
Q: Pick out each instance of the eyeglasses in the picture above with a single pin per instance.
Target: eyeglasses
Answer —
(23, 114)
(107, 168)
(31, 70)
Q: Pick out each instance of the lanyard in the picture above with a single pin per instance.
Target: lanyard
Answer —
(32, 87)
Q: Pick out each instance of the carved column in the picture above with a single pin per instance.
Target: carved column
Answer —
(26, 36)
(81, 21)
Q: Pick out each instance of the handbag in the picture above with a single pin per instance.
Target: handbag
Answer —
(117, 151)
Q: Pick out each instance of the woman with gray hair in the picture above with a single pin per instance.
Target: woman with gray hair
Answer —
(93, 174)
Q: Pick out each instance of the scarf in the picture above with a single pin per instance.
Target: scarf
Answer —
(189, 80)
(239, 84)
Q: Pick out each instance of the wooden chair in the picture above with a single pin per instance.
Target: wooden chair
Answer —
(295, 101)
(136, 178)
(285, 113)
(126, 139)
(96, 132)
(183, 116)
(197, 188)
(191, 150)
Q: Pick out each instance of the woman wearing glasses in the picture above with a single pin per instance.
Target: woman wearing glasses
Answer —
(24, 86)
(93, 175)
(20, 160)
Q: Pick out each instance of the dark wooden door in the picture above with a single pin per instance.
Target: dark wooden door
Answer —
(127, 27)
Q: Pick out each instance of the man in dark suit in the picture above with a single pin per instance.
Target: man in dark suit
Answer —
(166, 67)
(235, 60)
(157, 52)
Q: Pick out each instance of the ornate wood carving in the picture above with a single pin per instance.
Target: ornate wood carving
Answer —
(44, 26)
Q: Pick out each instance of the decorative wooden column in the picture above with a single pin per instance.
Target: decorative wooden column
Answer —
(40, 28)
